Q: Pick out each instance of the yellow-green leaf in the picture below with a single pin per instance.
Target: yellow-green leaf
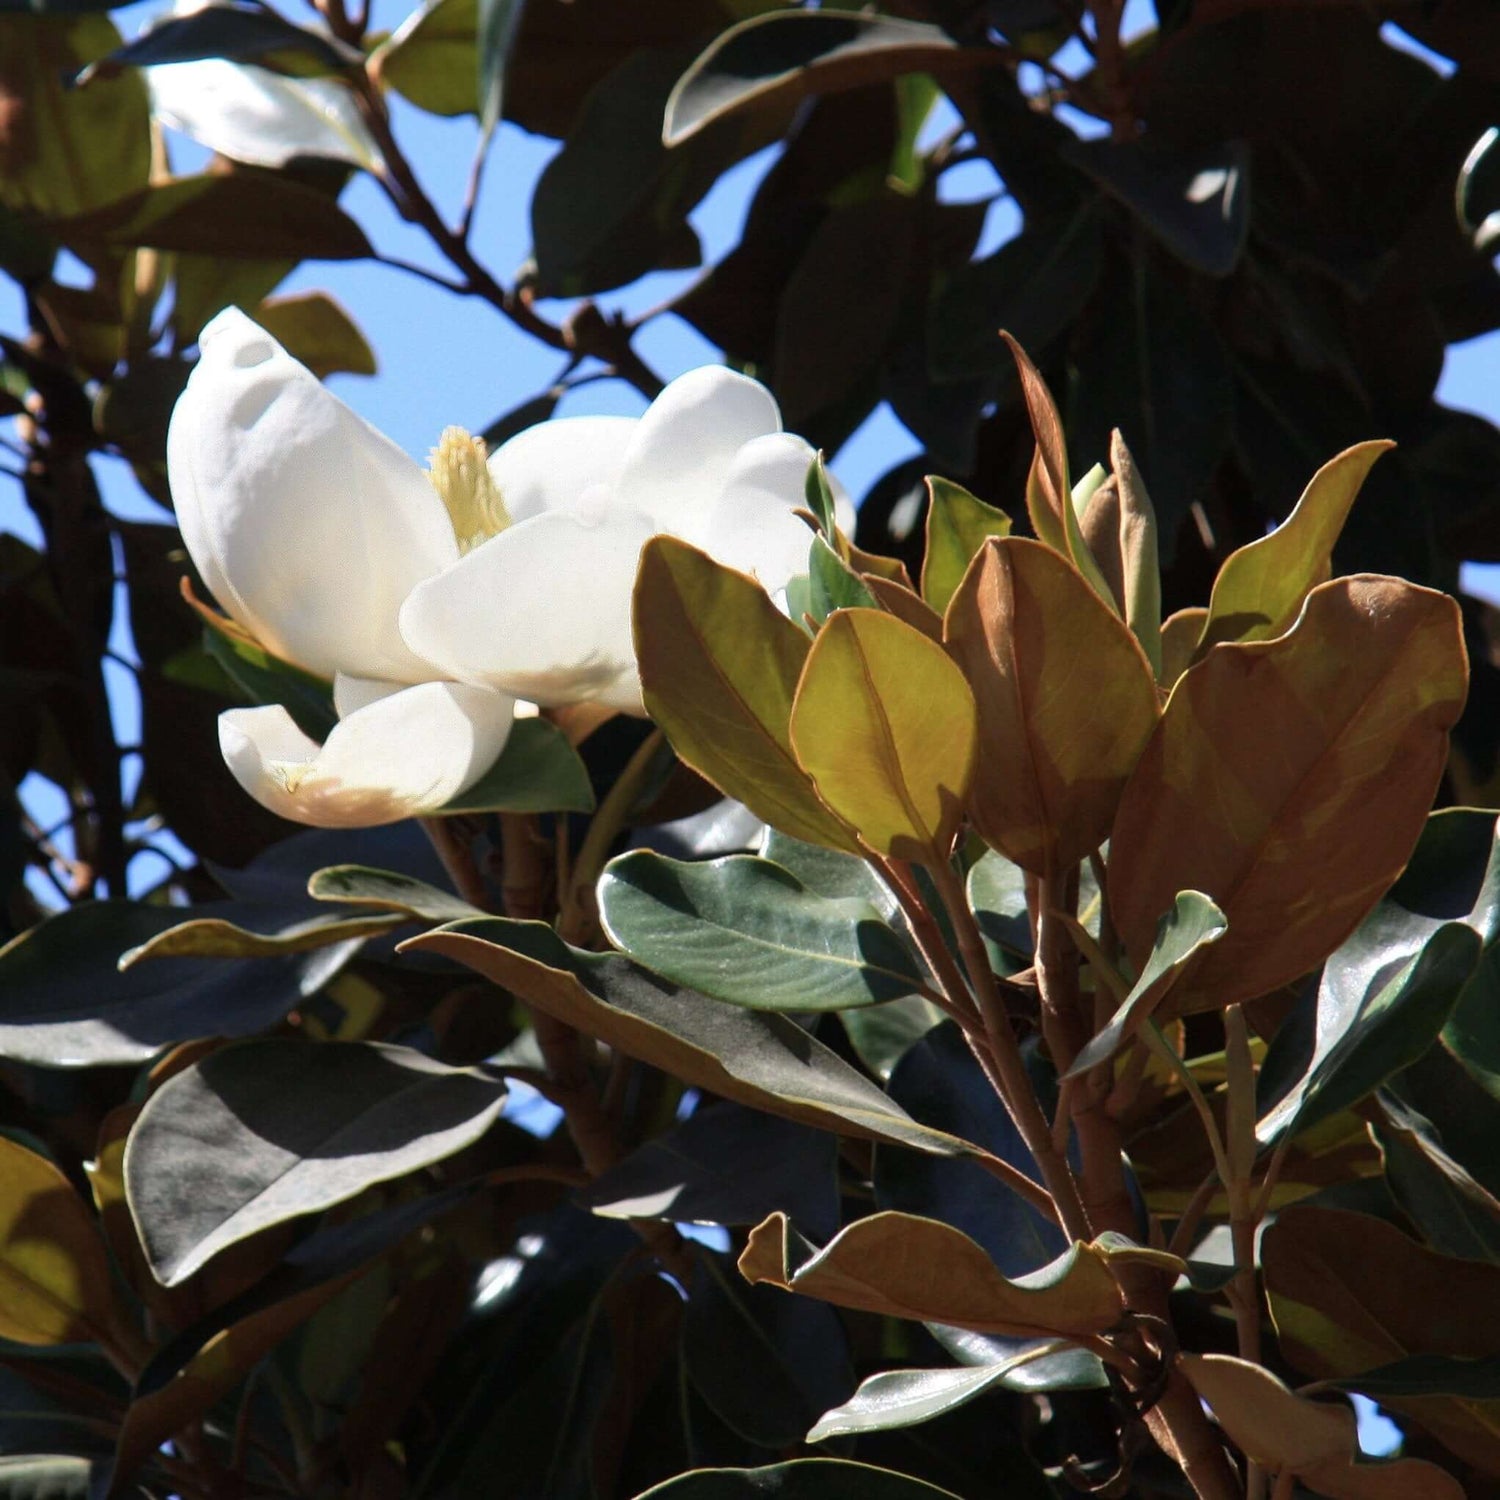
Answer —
(958, 525)
(1179, 640)
(432, 58)
(316, 330)
(54, 1274)
(1261, 586)
(885, 725)
(1289, 780)
(719, 668)
(1067, 701)
(903, 1266)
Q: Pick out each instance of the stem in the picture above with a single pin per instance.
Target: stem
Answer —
(453, 850)
(1192, 1216)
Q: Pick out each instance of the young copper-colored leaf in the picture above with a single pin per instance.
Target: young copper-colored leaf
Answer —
(719, 668)
(1049, 492)
(1289, 780)
(1066, 697)
(1179, 640)
(958, 525)
(900, 601)
(903, 1266)
(1339, 1313)
(1316, 1441)
(54, 1275)
(1261, 586)
(1119, 529)
(884, 723)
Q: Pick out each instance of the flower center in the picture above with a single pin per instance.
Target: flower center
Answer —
(460, 475)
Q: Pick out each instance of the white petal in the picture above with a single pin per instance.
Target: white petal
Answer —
(259, 117)
(403, 756)
(308, 525)
(553, 465)
(350, 694)
(684, 446)
(541, 611)
(751, 525)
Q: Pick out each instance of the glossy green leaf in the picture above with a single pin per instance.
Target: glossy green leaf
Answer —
(358, 885)
(744, 930)
(1358, 699)
(788, 55)
(306, 1125)
(881, 1035)
(958, 525)
(766, 1061)
(219, 937)
(1366, 1034)
(68, 1006)
(719, 667)
(537, 771)
(818, 493)
(240, 34)
(832, 584)
(1066, 699)
(1260, 588)
(266, 679)
(904, 1398)
(1192, 924)
(885, 725)
(803, 1479)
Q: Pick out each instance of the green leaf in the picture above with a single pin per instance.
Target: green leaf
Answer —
(719, 666)
(240, 216)
(1193, 923)
(803, 1479)
(359, 885)
(1196, 202)
(218, 937)
(1261, 587)
(307, 1125)
(766, 1061)
(266, 679)
(314, 329)
(1366, 1034)
(787, 55)
(1429, 1375)
(832, 584)
(904, 1398)
(958, 525)
(881, 1035)
(498, 23)
(230, 31)
(884, 723)
(67, 1005)
(537, 771)
(432, 58)
(819, 495)
(745, 931)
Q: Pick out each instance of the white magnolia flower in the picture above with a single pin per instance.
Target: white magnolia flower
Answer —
(483, 582)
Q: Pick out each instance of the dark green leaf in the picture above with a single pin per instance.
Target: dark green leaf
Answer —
(68, 1006)
(306, 1126)
(881, 1034)
(538, 771)
(748, 932)
(1197, 203)
(1429, 1375)
(819, 494)
(266, 679)
(805, 1479)
(358, 885)
(240, 33)
(499, 20)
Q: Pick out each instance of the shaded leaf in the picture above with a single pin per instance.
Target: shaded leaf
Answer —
(882, 1034)
(958, 525)
(537, 771)
(36, 1476)
(898, 1265)
(762, 1060)
(787, 55)
(746, 931)
(1119, 529)
(1261, 587)
(1430, 1375)
(358, 885)
(719, 667)
(803, 1479)
(307, 1126)
(219, 937)
(1358, 699)
(498, 23)
(884, 723)
(1067, 701)
(239, 33)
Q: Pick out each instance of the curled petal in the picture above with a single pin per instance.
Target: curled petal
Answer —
(541, 611)
(554, 465)
(308, 525)
(401, 756)
(685, 445)
(259, 117)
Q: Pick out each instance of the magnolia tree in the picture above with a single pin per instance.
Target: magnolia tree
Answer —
(972, 1000)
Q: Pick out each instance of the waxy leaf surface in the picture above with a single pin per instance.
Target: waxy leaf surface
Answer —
(884, 723)
(803, 1479)
(902, 1266)
(1258, 785)
(958, 525)
(719, 668)
(1066, 697)
(255, 1135)
(766, 1061)
(744, 930)
(1260, 588)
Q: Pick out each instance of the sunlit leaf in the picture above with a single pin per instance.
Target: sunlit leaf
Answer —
(537, 771)
(313, 328)
(958, 525)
